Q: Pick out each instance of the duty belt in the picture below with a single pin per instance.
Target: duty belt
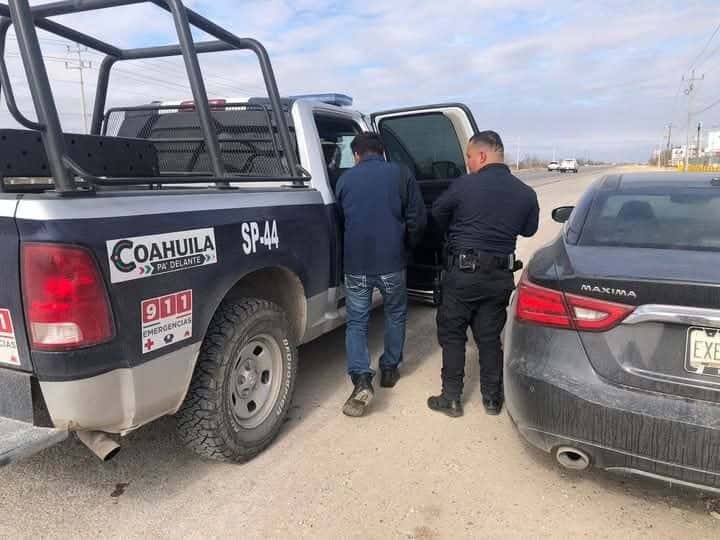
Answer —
(472, 261)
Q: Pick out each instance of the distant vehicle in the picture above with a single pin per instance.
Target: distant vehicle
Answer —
(567, 165)
(553, 166)
(612, 359)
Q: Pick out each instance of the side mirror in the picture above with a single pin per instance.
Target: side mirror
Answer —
(562, 214)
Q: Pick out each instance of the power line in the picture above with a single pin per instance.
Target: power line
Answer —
(215, 80)
(714, 104)
(208, 75)
(52, 41)
(709, 41)
(122, 72)
(709, 56)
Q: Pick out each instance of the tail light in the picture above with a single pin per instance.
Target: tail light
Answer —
(66, 305)
(548, 307)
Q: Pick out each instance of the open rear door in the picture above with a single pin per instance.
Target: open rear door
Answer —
(431, 141)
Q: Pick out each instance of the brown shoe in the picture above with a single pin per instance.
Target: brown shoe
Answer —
(361, 396)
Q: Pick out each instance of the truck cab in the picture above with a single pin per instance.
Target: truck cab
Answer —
(430, 140)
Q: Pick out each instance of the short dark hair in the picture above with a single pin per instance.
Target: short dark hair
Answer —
(367, 143)
(490, 139)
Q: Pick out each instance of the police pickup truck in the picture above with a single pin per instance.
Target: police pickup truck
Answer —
(172, 261)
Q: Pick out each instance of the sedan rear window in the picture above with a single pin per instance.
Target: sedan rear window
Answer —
(684, 220)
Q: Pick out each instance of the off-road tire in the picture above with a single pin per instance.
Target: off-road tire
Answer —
(205, 421)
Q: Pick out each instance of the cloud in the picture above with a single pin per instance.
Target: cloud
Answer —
(595, 76)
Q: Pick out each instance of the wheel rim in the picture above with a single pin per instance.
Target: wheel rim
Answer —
(255, 381)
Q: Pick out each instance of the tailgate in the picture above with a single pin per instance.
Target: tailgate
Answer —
(14, 353)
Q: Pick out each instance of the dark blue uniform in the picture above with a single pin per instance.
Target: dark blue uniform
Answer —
(483, 214)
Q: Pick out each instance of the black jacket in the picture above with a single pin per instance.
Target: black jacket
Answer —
(486, 211)
(383, 214)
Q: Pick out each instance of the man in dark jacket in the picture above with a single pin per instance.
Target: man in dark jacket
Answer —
(383, 216)
(483, 214)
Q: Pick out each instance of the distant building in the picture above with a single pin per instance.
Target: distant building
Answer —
(677, 155)
(713, 144)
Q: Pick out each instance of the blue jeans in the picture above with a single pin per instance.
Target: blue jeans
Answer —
(359, 291)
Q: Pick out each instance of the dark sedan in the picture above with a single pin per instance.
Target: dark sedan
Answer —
(612, 355)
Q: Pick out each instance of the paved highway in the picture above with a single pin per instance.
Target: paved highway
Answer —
(401, 472)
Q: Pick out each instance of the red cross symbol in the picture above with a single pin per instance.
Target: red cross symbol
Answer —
(149, 344)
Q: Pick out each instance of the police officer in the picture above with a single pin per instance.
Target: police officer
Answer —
(482, 213)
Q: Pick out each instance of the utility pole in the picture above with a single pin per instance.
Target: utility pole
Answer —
(554, 157)
(668, 150)
(690, 93)
(517, 156)
(699, 137)
(80, 67)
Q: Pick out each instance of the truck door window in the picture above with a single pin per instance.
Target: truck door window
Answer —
(336, 134)
(427, 143)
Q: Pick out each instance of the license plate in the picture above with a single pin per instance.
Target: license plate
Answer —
(703, 351)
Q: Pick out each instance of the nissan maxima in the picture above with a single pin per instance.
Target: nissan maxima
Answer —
(612, 352)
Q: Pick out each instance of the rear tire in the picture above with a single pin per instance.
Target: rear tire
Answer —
(243, 383)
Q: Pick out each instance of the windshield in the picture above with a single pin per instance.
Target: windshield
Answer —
(678, 220)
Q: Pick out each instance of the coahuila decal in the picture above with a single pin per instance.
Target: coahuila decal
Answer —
(8, 345)
(143, 256)
(166, 320)
(609, 290)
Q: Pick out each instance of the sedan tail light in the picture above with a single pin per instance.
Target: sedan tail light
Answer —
(548, 307)
(66, 305)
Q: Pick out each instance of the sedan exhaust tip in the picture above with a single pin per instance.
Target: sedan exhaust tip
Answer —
(571, 458)
(99, 444)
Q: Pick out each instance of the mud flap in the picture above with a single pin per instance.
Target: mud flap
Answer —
(19, 440)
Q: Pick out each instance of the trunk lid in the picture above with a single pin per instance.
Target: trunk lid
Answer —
(663, 345)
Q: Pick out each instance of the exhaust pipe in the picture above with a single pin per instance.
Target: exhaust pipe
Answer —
(99, 444)
(572, 458)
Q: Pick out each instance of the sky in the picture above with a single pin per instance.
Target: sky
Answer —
(601, 79)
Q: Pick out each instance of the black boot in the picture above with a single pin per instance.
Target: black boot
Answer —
(389, 377)
(493, 406)
(361, 395)
(450, 407)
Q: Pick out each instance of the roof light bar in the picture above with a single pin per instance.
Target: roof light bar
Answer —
(340, 100)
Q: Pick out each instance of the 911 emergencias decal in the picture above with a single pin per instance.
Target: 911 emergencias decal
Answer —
(166, 320)
(8, 345)
(145, 256)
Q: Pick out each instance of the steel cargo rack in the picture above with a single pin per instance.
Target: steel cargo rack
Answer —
(82, 163)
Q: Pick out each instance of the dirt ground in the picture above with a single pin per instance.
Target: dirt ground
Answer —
(401, 472)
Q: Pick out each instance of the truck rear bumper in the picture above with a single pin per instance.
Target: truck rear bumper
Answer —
(21, 439)
(123, 399)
